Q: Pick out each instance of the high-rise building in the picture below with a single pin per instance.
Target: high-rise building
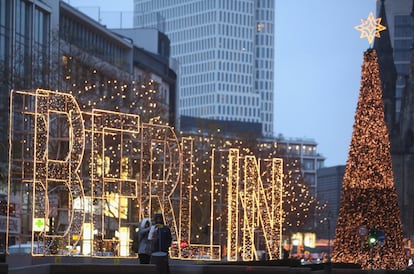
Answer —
(225, 51)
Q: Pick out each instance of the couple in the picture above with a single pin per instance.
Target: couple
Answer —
(153, 243)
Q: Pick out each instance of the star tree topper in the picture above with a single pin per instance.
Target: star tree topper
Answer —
(370, 28)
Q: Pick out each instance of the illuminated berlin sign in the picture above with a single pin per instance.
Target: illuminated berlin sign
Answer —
(88, 175)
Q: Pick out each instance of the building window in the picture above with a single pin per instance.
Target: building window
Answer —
(308, 164)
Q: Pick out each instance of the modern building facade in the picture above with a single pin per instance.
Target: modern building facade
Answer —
(25, 51)
(329, 192)
(25, 36)
(395, 57)
(225, 51)
(400, 27)
(305, 150)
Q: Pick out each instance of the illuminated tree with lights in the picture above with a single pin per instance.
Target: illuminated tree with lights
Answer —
(300, 207)
(204, 142)
(369, 199)
(98, 81)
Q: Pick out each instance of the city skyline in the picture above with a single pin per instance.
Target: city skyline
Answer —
(317, 37)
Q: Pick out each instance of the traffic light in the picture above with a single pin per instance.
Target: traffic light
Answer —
(372, 237)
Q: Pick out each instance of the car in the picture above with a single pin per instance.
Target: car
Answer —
(25, 249)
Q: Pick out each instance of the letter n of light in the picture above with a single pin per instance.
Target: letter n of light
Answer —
(262, 206)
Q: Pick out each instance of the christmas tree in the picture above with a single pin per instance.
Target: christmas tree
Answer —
(369, 229)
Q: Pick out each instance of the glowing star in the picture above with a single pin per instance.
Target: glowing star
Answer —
(370, 28)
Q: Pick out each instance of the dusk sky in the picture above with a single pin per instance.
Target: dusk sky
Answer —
(318, 70)
(318, 59)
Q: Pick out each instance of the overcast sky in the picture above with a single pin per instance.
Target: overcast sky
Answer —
(317, 67)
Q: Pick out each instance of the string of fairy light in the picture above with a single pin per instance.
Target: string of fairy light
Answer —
(108, 131)
(128, 140)
(132, 94)
(38, 175)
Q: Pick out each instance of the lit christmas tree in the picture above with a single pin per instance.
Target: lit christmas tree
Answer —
(369, 229)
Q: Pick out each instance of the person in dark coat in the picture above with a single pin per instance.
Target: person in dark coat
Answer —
(160, 234)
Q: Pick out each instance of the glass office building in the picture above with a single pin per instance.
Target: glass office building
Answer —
(400, 26)
(225, 51)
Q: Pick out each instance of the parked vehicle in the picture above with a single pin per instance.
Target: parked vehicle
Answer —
(25, 249)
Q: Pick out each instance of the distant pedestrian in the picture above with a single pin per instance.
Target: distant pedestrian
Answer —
(141, 243)
(160, 234)
(285, 253)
